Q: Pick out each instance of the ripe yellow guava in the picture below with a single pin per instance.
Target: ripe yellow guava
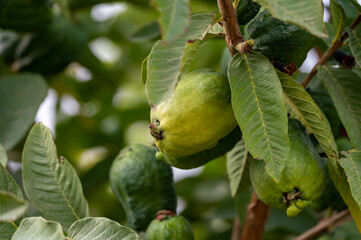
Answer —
(196, 116)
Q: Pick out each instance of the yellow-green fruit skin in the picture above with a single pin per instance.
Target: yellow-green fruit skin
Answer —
(196, 115)
(303, 173)
(173, 228)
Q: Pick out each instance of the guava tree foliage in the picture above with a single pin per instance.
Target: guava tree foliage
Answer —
(221, 80)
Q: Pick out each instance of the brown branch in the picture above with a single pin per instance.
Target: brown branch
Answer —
(336, 45)
(230, 24)
(257, 215)
(323, 225)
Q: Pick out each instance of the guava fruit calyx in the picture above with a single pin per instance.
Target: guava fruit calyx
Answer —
(294, 202)
(292, 195)
(164, 214)
(155, 130)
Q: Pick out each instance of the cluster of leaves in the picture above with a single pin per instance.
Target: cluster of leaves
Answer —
(55, 189)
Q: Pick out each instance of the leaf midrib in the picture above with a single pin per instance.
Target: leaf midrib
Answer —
(260, 111)
(53, 171)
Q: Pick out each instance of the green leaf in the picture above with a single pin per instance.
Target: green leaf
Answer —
(100, 229)
(8, 184)
(165, 61)
(301, 106)
(20, 98)
(344, 87)
(259, 109)
(7, 230)
(307, 14)
(340, 181)
(190, 50)
(146, 33)
(236, 168)
(3, 156)
(51, 184)
(338, 17)
(144, 70)
(38, 228)
(174, 17)
(352, 166)
(355, 42)
(11, 208)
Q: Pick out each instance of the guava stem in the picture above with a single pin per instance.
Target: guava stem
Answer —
(164, 214)
(155, 130)
(230, 24)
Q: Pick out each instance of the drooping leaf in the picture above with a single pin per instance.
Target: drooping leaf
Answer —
(8, 184)
(7, 229)
(344, 87)
(165, 60)
(100, 229)
(301, 106)
(259, 109)
(340, 181)
(20, 98)
(38, 228)
(51, 184)
(338, 17)
(355, 42)
(236, 168)
(11, 208)
(174, 17)
(352, 166)
(3, 156)
(307, 14)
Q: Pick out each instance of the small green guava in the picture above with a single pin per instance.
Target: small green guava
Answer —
(302, 180)
(196, 116)
(279, 40)
(167, 226)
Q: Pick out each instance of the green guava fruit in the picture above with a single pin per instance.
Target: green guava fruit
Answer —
(198, 159)
(197, 115)
(302, 180)
(246, 11)
(330, 197)
(279, 40)
(142, 184)
(167, 226)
